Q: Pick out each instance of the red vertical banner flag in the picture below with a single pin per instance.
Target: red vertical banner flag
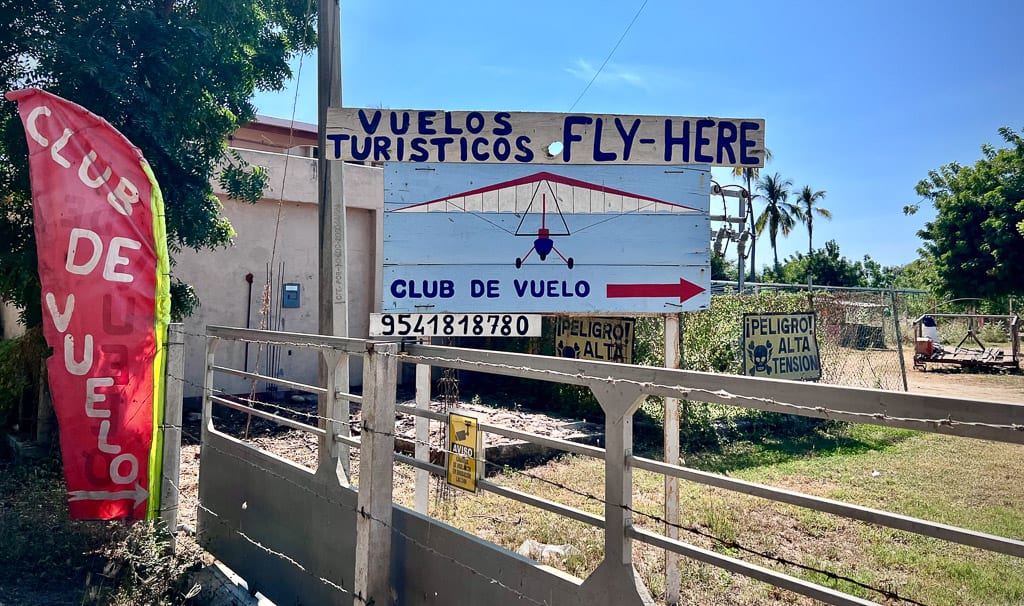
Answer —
(103, 265)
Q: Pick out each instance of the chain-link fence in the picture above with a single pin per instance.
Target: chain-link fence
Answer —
(856, 332)
(863, 334)
(864, 339)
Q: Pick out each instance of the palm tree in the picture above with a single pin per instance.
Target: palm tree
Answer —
(751, 174)
(778, 214)
(806, 200)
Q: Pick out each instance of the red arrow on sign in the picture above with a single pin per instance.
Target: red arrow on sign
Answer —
(684, 290)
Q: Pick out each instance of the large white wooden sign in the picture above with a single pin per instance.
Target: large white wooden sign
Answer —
(384, 135)
(461, 238)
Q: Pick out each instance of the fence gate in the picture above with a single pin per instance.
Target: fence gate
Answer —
(309, 532)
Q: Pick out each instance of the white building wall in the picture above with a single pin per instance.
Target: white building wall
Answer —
(10, 322)
(277, 243)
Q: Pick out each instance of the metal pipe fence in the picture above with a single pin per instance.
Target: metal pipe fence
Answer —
(370, 570)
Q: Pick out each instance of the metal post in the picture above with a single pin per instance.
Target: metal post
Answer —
(671, 428)
(899, 337)
(422, 448)
(753, 232)
(376, 475)
(739, 244)
(173, 394)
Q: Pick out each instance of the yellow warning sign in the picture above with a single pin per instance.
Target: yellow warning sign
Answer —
(781, 346)
(608, 339)
(464, 445)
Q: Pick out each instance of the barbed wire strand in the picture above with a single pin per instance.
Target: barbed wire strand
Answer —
(285, 557)
(654, 517)
(728, 544)
(685, 392)
(691, 393)
(364, 514)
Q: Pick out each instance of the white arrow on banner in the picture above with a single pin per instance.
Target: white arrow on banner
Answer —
(139, 494)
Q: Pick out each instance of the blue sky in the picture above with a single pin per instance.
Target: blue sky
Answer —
(860, 98)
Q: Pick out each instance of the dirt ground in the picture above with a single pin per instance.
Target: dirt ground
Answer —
(937, 380)
(973, 385)
(1001, 386)
(954, 382)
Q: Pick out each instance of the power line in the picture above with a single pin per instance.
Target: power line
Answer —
(606, 59)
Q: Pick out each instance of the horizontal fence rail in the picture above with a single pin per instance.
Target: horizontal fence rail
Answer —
(866, 514)
(612, 383)
(999, 421)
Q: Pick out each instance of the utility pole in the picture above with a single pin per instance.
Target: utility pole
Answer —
(333, 266)
(753, 231)
(741, 241)
(331, 198)
(740, 237)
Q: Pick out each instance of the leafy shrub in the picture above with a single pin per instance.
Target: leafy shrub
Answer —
(711, 342)
(143, 568)
(49, 558)
(994, 332)
(20, 366)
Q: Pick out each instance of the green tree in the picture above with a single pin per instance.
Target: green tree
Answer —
(976, 241)
(876, 275)
(807, 203)
(722, 268)
(918, 274)
(176, 78)
(778, 215)
(827, 265)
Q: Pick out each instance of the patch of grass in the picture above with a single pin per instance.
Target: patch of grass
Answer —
(47, 558)
(719, 518)
(143, 569)
(815, 523)
(957, 481)
(825, 441)
(41, 545)
(940, 573)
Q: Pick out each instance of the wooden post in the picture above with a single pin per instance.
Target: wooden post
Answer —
(422, 448)
(671, 426)
(376, 475)
(173, 395)
(44, 409)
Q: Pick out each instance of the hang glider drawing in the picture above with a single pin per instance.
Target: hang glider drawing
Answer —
(542, 202)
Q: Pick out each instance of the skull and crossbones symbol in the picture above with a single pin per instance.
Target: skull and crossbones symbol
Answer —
(760, 354)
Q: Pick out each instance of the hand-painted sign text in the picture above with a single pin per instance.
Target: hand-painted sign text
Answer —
(781, 346)
(103, 270)
(378, 135)
(596, 240)
(606, 339)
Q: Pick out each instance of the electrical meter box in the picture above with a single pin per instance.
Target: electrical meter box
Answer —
(290, 297)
